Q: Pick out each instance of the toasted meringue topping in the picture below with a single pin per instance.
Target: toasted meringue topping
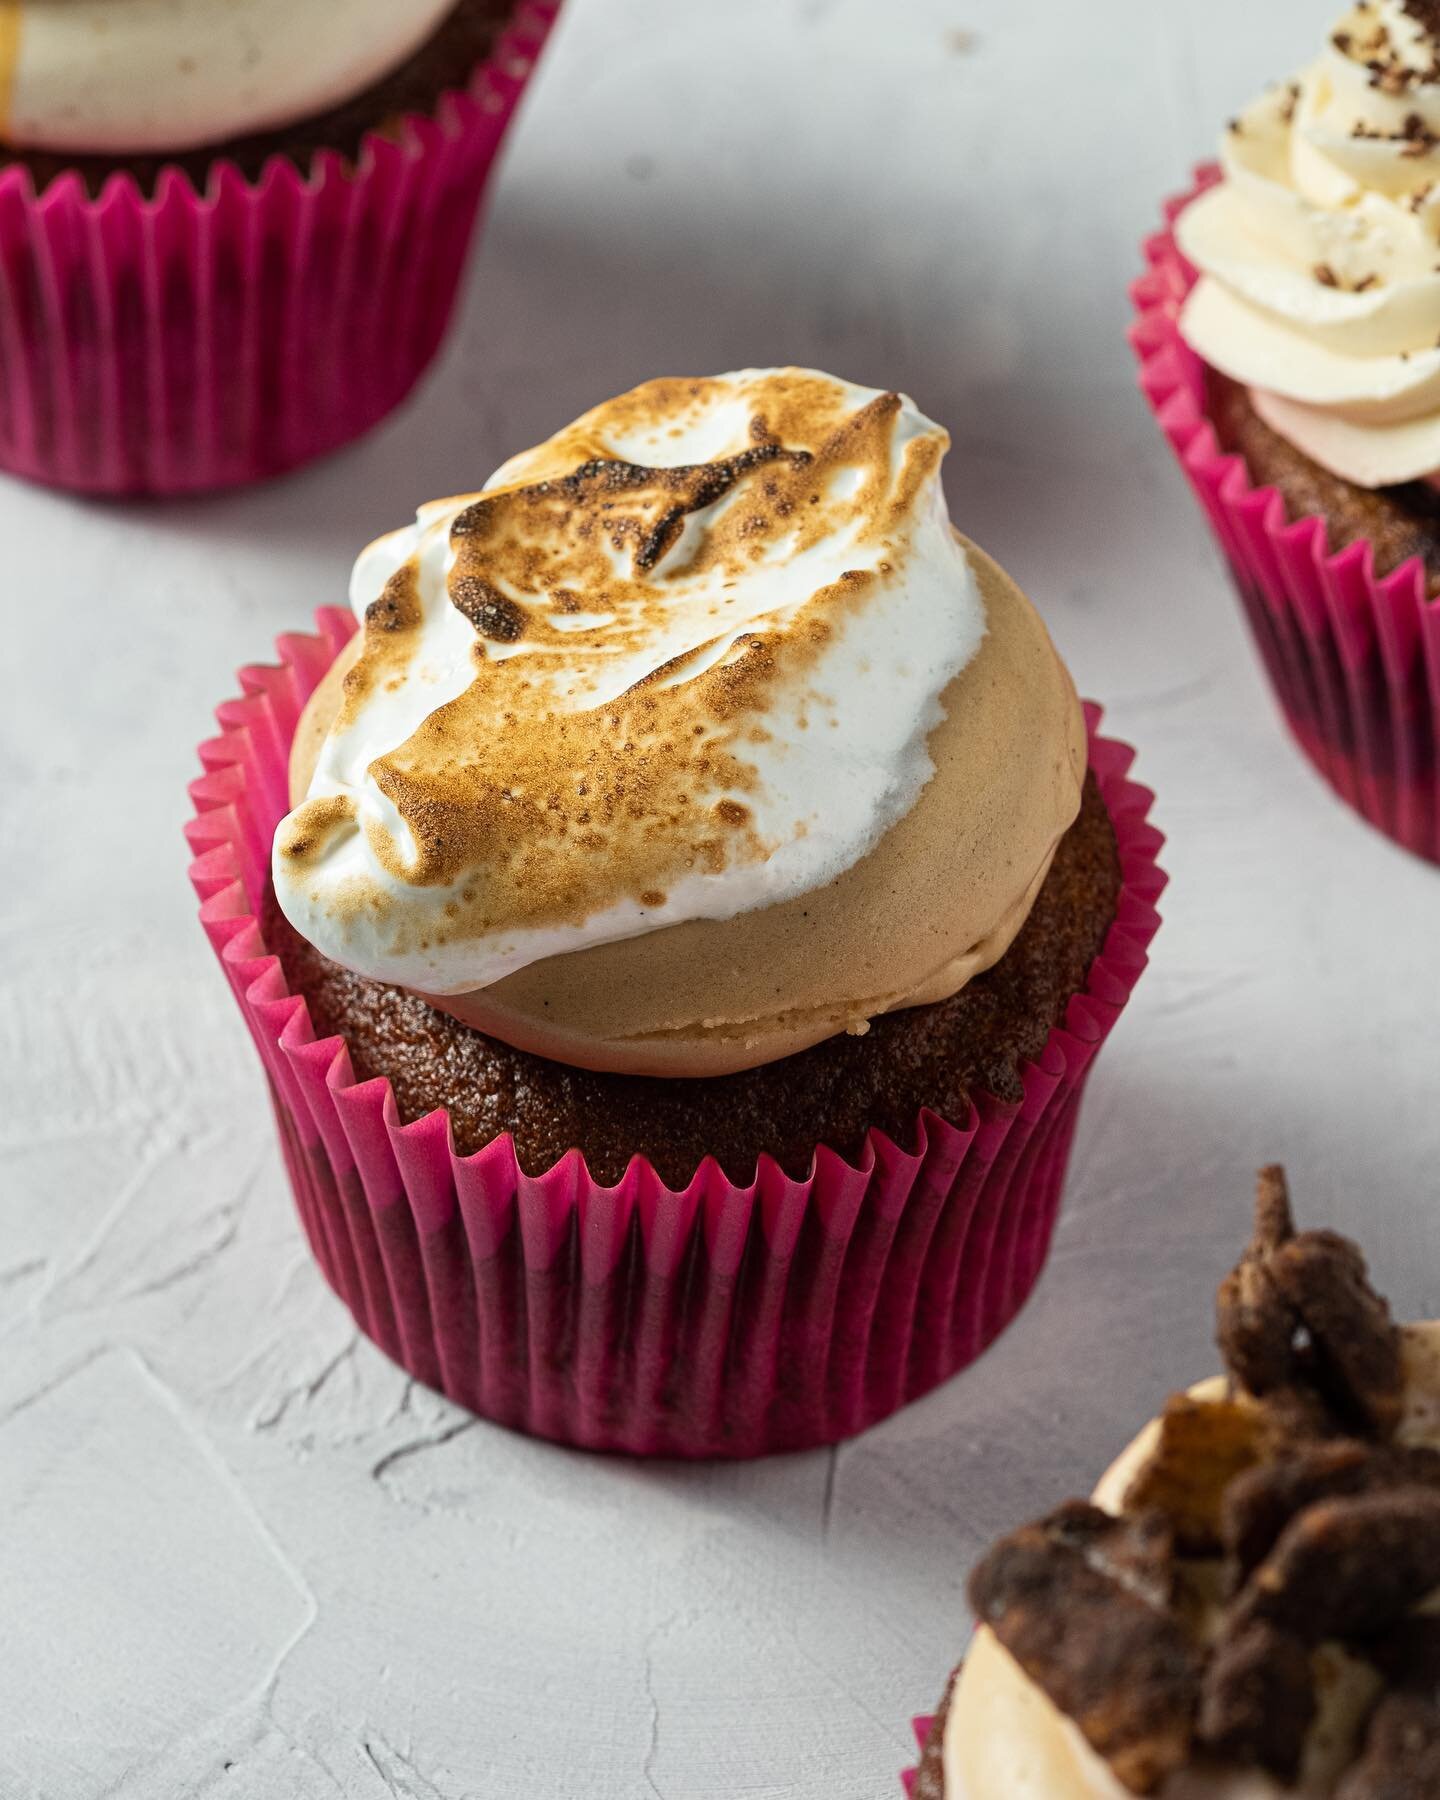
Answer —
(1320, 251)
(130, 76)
(679, 663)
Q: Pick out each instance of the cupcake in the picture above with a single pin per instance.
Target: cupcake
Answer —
(678, 922)
(1247, 1608)
(1289, 334)
(231, 231)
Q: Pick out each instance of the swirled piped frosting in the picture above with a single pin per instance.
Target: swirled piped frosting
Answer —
(137, 76)
(1319, 252)
(628, 762)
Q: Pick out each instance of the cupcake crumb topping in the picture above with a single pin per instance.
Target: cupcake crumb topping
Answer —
(1275, 1534)
(1123, 1667)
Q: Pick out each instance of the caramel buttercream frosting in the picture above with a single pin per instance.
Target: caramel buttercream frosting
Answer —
(695, 737)
(1248, 1608)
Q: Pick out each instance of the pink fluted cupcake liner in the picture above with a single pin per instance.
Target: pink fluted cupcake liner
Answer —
(168, 343)
(717, 1320)
(1354, 658)
(921, 1726)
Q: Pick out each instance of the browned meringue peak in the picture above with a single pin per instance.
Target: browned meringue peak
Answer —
(695, 738)
(665, 766)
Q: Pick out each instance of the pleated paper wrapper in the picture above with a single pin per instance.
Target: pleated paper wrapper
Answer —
(717, 1320)
(168, 342)
(923, 1726)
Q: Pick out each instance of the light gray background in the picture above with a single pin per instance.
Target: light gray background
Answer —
(240, 1555)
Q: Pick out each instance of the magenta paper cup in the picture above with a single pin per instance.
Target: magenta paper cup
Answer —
(183, 341)
(1354, 658)
(924, 1727)
(716, 1320)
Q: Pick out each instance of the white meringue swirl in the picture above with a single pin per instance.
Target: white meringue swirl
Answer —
(679, 663)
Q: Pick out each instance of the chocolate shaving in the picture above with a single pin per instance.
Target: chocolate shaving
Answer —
(1376, 52)
(1346, 1568)
(1078, 1600)
(1401, 1757)
(1256, 1331)
(1353, 1360)
(1426, 14)
(1298, 1314)
(1262, 1501)
(1351, 1568)
(1414, 137)
(1258, 1700)
(1408, 1655)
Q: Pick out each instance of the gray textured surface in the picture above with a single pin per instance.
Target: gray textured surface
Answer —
(240, 1555)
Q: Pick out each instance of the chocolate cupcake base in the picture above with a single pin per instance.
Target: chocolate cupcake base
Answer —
(1397, 522)
(933, 1058)
(745, 1311)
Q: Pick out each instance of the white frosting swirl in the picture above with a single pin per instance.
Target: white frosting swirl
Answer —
(691, 695)
(1320, 252)
(136, 76)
